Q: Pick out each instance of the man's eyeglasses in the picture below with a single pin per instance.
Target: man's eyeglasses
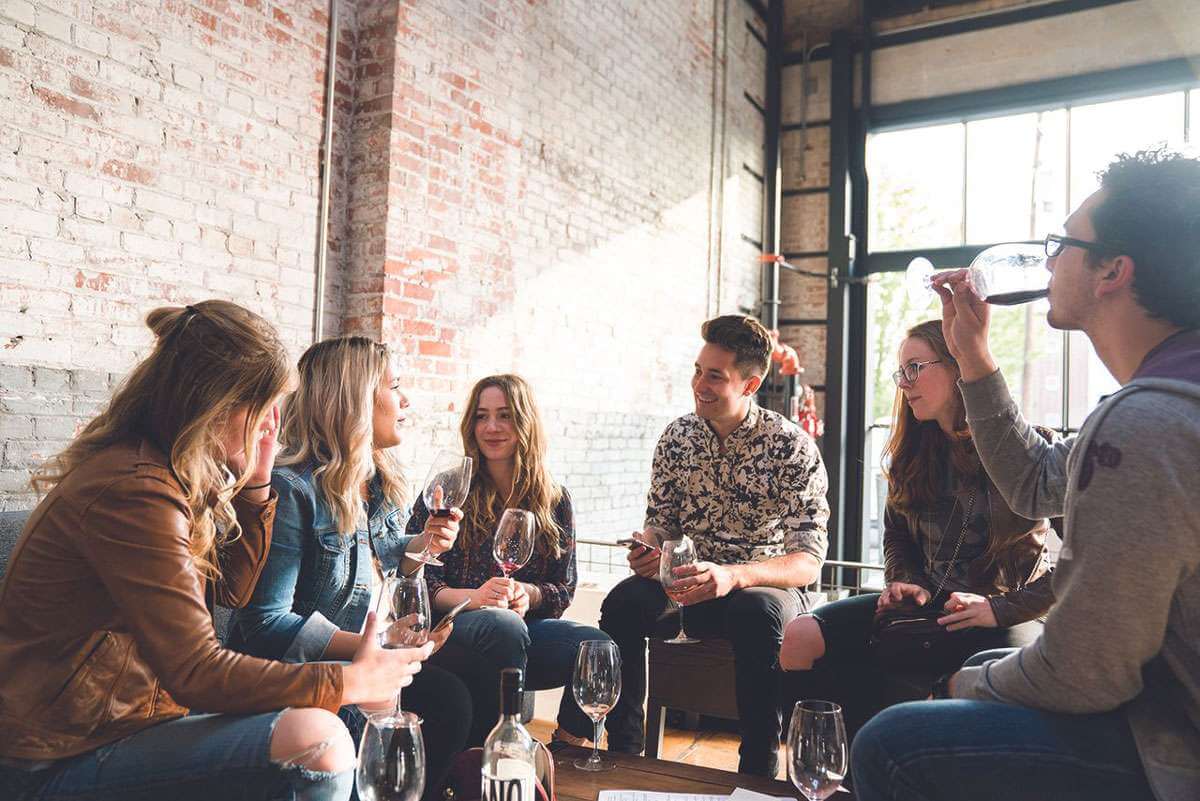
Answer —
(911, 371)
(1055, 245)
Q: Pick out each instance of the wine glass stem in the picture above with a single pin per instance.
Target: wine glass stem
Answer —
(598, 725)
(396, 712)
(681, 632)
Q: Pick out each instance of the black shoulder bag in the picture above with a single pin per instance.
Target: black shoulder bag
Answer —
(907, 637)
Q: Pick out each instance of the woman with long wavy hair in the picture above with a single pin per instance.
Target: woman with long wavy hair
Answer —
(516, 621)
(160, 507)
(946, 527)
(340, 528)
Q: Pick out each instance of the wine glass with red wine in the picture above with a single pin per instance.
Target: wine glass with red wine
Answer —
(1004, 275)
(513, 544)
(446, 487)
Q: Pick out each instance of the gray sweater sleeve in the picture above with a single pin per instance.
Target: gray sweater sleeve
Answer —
(1114, 596)
(1030, 473)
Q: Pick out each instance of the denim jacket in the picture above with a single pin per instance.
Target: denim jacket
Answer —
(316, 580)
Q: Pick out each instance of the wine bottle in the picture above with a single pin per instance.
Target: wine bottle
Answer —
(509, 753)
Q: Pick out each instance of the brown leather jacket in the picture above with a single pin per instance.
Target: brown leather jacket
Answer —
(103, 625)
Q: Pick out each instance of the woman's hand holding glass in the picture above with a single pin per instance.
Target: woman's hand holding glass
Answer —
(440, 533)
(377, 674)
(496, 592)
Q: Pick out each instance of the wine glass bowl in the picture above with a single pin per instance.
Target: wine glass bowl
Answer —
(1005, 275)
(391, 758)
(407, 599)
(512, 546)
(596, 685)
(817, 749)
(676, 553)
(446, 486)
(409, 612)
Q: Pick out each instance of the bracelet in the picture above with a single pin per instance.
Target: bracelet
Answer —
(256, 486)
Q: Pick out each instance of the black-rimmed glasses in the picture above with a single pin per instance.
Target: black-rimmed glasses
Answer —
(1056, 243)
(911, 371)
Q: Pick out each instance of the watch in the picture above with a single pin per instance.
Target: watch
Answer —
(941, 687)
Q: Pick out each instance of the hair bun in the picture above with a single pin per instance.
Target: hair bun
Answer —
(164, 319)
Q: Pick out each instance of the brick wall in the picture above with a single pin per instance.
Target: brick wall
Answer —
(555, 188)
(564, 200)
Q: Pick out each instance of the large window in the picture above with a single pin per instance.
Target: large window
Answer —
(980, 182)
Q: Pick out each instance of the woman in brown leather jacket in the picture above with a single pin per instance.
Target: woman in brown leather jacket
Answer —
(949, 540)
(161, 506)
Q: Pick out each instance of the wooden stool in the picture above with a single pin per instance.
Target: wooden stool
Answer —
(696, 678)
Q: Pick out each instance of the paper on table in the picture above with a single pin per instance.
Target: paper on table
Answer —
(643, 795)
(741, 794)
(646, 795)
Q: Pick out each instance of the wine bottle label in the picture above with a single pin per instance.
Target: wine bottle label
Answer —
(513, 781)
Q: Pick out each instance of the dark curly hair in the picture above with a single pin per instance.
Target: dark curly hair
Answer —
(746, 337)
(1151, 212)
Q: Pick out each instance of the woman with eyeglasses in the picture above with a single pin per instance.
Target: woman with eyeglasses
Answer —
(950, 542)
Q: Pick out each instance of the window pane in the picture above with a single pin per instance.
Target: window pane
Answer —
(1090, 379)
(1191, 134)
(1099, 132)
(916, 182)
(1015, 176)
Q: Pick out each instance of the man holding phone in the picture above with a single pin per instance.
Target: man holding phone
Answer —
(748, 487)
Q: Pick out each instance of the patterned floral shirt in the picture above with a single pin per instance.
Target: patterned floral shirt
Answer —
(555, 577)
(761, 496)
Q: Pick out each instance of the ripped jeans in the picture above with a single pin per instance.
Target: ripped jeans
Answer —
(200, 757)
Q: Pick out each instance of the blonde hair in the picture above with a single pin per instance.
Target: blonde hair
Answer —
(533, 488)
(328, 421)
(209, 361)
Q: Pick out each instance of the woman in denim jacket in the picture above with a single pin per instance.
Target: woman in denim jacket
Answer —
(511, 622)
(339, 528)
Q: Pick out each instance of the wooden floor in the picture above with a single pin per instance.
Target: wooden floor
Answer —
(713, 749)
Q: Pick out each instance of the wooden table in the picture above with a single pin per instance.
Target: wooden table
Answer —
(642, 773)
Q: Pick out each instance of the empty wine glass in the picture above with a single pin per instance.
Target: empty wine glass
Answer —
(596, 685)
(676, 553)
(1004, 275)
(391, 758)
(446, 486)
(816, 749)
(513, 544)
(407, 599)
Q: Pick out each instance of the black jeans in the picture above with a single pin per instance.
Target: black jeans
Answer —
(752, 620)
(848, 673)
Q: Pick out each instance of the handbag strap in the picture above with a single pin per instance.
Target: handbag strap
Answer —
(962, 535)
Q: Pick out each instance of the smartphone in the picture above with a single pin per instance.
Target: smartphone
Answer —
(632, 541)
(453, 613)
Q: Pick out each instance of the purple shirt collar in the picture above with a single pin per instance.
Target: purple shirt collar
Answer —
(1176, 357)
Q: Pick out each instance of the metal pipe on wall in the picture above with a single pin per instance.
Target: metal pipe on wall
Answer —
(772, 178)
(326, 175)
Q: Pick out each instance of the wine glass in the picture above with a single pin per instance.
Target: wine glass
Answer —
(513, 544)
(391, 758)
(676, 553)
(408, 607)
(1005, 275)
(446, 486)
(596, 685)
(816, 749)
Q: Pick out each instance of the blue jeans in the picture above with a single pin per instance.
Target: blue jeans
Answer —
(933, 750)
(485, 641)
(201, 757)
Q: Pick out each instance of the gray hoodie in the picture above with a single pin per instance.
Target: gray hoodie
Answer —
(1125, 632)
